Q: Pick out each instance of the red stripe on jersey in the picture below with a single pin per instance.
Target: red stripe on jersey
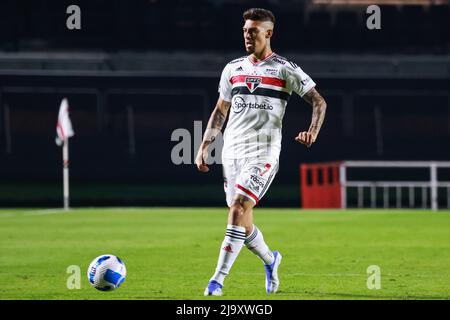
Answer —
(264, 80)
(248, 192)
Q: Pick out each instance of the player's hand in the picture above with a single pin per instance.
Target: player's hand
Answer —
(306, 138)
(201, 157)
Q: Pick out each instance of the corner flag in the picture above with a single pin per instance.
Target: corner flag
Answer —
(63, 126)
(64, 131)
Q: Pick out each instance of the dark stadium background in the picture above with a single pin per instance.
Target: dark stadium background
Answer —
(157, 64)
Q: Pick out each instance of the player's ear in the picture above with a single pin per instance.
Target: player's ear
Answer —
(269, 33)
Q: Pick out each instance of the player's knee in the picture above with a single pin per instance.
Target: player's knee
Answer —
(236, 211)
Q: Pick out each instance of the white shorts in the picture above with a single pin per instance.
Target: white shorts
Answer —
(250, 177)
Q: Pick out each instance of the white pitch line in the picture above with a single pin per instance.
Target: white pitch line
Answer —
(122, 209)
(42, 212)
(409, 275)
(321, 274)
(7, 214)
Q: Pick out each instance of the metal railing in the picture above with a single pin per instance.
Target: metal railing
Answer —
(432, 184)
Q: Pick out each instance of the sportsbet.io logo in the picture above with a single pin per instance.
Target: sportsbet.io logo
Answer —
(239, 105)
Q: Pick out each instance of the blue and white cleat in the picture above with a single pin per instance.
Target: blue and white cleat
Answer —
(213, 289)
(272, 280)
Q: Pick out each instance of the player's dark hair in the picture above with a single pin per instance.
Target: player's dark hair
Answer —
(259, 14)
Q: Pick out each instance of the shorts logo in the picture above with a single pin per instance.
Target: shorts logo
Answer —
(252, 83)
(257, 180)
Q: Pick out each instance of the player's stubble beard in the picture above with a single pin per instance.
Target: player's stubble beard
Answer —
(261, 54)
(252, 50)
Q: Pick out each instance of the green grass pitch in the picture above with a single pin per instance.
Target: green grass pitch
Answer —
(170, 253)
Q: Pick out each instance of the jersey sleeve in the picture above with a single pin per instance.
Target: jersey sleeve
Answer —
(297, 80)
(225, 86)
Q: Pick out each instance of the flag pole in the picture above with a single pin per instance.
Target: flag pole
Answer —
(64, 131)
(66, 173)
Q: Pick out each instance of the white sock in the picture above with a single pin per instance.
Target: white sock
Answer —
(255, 243)
(231, 246)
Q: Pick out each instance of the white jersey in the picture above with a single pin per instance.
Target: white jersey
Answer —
(258, 93)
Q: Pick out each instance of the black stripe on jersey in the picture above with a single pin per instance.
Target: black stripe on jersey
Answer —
(261, 92)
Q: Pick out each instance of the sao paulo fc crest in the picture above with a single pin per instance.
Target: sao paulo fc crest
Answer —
(252, 83)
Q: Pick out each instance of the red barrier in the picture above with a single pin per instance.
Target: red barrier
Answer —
(319, 185)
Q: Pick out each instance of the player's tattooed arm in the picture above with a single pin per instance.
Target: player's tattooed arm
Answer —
(216, 121)
(214, 127)
(319, 105)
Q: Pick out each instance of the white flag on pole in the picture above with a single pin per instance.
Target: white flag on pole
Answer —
(64, 128)
(64, 131)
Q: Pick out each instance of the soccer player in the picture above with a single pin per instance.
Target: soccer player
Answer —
(254, 91)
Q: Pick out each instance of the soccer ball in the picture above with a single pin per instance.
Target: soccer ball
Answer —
(106, 272)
